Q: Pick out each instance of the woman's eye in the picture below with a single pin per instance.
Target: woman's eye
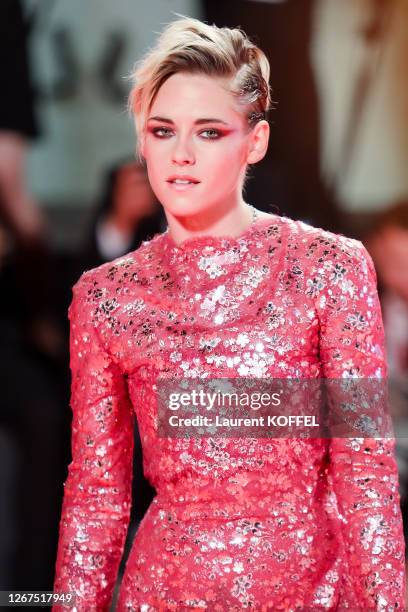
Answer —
(215, 133)
(162, 132)
(157, 130)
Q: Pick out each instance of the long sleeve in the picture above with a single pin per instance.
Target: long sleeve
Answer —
(97, 496)
(363, 470)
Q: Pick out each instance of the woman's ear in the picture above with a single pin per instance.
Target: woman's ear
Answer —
(258, 144)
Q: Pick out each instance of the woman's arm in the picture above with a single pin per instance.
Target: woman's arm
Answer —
(97, 497)
(363, 470)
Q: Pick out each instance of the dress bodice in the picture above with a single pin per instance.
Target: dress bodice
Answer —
(284, 300)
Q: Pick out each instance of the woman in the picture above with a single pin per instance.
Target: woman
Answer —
(226, 291)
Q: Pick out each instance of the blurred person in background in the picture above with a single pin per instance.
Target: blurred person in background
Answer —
(127, 214)
(388, 244)
(31, 341)
(24, 223)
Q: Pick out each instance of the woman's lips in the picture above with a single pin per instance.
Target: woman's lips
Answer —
(181, 186)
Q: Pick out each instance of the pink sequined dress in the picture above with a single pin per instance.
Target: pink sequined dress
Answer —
(281, 524)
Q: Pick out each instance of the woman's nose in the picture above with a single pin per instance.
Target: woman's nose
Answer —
(183, 153)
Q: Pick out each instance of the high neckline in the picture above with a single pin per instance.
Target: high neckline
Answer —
(225, 240)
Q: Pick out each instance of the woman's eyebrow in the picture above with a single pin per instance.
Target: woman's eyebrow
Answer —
(196, 122)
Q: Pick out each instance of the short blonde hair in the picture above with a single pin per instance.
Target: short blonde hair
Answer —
(190, 45)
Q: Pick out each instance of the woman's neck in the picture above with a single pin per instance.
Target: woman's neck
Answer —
(233, 223)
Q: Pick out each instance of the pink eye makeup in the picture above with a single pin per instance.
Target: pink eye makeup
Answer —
(164, 133)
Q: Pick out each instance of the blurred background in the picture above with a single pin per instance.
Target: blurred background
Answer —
(73, 196)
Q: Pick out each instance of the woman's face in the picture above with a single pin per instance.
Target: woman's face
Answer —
(193, 129)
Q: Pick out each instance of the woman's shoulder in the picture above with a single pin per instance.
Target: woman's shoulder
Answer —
(331, 268)
(317, 244)
(306, 233)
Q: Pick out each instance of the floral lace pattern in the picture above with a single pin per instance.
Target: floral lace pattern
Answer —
(261, 524)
